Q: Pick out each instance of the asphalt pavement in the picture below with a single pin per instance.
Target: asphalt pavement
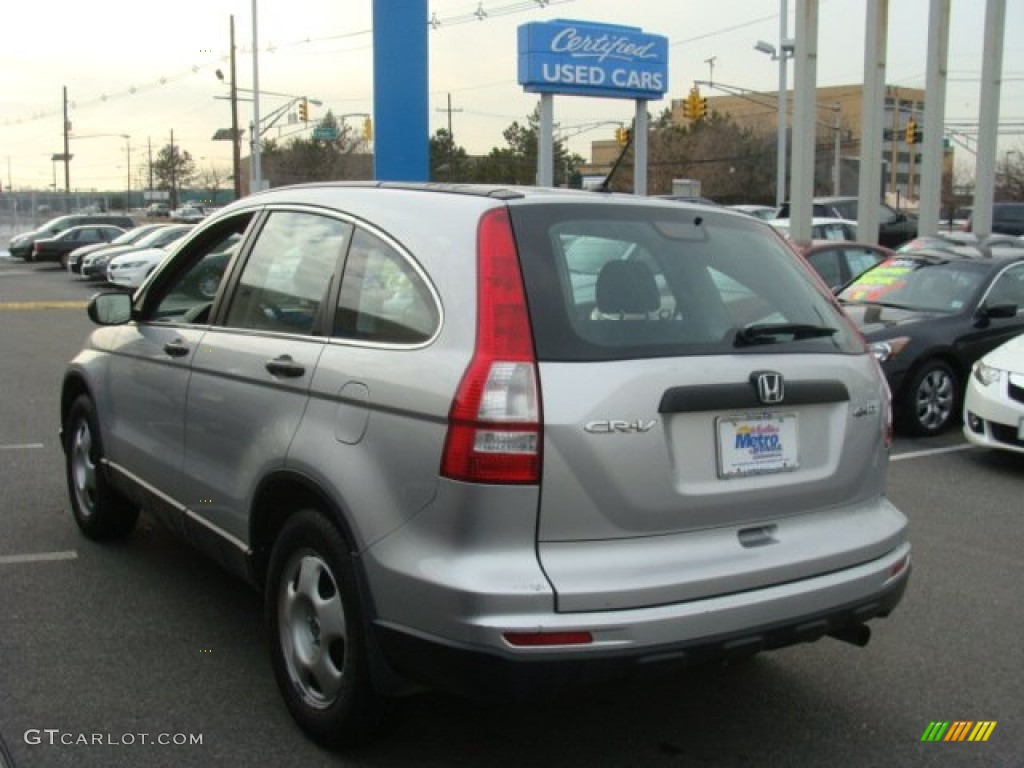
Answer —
(144, 653)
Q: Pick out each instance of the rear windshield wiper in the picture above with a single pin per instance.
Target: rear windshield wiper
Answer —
(770, 333)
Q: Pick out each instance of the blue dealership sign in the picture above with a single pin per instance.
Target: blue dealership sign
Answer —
(588, 59)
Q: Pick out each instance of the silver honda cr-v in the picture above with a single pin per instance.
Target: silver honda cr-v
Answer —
(487, 439)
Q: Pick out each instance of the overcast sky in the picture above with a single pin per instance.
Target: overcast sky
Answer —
(144, 70)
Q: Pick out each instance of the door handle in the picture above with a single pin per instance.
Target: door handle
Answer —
(285, 366)
(176, 348)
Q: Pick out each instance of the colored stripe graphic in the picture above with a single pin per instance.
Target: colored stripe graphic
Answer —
(982, 730)
(958, 730)
(934, 731)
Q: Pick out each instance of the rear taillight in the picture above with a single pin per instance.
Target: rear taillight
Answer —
(494, 432)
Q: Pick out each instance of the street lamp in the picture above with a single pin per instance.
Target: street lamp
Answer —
(781, 54)
(128, 160)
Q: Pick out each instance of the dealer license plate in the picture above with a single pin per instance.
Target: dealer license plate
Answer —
(757, 444)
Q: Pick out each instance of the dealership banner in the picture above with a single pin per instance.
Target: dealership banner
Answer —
(588, 59)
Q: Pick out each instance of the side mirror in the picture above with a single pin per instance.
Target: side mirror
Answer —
(110, 308)
(1004, 311)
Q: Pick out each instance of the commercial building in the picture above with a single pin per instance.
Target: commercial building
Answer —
(839, 123)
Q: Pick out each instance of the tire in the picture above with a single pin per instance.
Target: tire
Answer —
(317, 633)
(101, 512)
(931, 400)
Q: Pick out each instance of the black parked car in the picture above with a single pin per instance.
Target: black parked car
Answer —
(21, 245)
(1007, 219)
(73, 261)
(927, 316)
(894, 227)
(57, 248)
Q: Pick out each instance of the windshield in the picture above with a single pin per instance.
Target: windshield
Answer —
(915, 284)
(163, 236)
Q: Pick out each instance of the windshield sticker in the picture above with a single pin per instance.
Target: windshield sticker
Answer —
(886, 277)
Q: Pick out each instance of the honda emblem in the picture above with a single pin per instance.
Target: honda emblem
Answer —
(770, 388)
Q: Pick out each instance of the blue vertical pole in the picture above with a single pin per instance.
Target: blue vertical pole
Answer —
(400, 82)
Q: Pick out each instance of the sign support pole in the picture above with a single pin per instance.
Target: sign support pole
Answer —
(546, 141)
(640, 148)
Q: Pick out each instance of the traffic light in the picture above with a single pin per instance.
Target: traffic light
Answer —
(913, 135)
(368, 129)
(304, 111)
(695, 106)
(620, 136)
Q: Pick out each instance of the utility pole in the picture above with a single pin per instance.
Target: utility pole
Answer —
(451, 139)
(711, 74)
(236, 152)
(149, 144)
(912, 151)
(837, 167)
(67, 156)
(256, 176)
(174, 190)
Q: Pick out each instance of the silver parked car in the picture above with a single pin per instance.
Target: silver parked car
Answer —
(482, 438)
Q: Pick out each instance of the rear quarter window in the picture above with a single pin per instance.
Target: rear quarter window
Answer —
(608, 282)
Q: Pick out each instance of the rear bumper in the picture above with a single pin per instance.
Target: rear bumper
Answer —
(631, 641)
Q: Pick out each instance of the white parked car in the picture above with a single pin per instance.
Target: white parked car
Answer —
(130, 269)
(189, 214)
(822, 228)
(994, 403)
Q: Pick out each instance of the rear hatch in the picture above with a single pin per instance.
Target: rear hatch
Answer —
(711, 421)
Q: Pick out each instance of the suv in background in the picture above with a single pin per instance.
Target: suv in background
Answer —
(21, 245)
(1007, 219)
(894, 227)
(484, 439)
(158, 210)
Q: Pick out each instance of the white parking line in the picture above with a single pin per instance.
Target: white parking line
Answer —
(39, 557)
(930, 452)
(21, 446)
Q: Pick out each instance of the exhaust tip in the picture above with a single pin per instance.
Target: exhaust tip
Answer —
(855, 634)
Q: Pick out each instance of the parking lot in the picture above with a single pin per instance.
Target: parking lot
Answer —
(145, 653)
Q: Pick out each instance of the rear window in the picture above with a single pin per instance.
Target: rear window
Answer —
(609, 282)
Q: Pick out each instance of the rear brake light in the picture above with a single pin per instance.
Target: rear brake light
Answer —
(494, 433)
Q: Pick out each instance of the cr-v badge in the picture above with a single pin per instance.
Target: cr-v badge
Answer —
(610, 426)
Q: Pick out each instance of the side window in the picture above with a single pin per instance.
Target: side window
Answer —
(288, 273)
(826, 264)
(835, 232)
(1008, 288)
(860, 261)
(186, 292)
(383, 298)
